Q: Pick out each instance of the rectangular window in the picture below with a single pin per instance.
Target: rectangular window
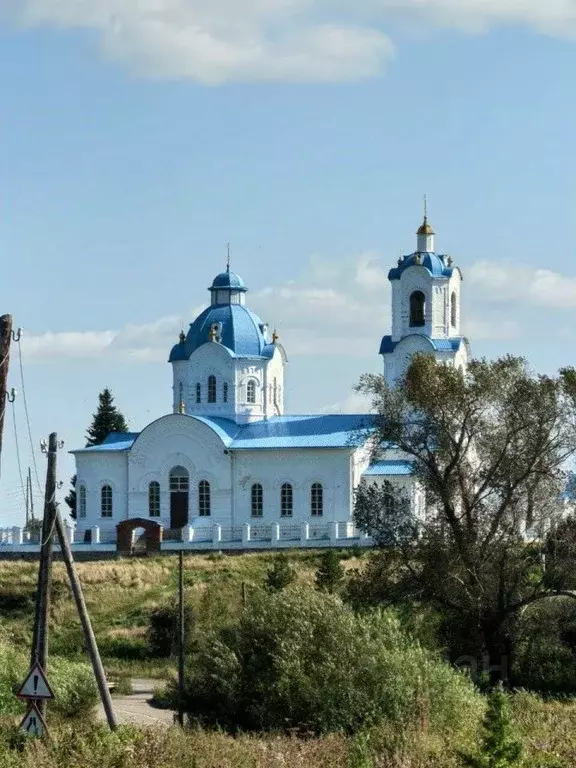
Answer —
(154, 499)
(286, 500)
(82, 501)
(257, 505)
(316, 500)
(204, 498)
(106, 501)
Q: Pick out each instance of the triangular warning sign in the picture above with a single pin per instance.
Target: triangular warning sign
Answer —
(33, 722)
(35, 686)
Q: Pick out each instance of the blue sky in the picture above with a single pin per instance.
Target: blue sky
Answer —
(139, 136)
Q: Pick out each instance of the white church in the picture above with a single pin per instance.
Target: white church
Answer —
(227, 468)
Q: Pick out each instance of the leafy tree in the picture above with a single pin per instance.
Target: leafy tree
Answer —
(330, 575)
(280, 575)
(500, 748)
(106, 419)
(489, 451)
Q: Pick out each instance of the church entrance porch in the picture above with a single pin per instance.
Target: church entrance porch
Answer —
(179, 491)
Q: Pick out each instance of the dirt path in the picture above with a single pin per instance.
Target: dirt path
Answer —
(135, 709)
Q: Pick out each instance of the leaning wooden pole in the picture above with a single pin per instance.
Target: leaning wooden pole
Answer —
(89, 636)
(40, 636)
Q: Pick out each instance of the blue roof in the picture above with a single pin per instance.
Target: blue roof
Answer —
(394, 467)
(313, 431)
(440, 345)
(116, 441)
(239, 329)
(228, 280)
(435, 263)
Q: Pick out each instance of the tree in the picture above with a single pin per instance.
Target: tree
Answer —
(489, 450)
(500, 748)
(330, 575)
(105, 420)
(280, 575)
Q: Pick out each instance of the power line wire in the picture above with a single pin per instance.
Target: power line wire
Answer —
(27, 416)
(18, 451)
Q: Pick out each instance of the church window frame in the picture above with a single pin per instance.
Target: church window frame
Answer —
(388, 503)
(251, 392)
(286, 500)
(82, 501)
(257, 500)
(179, 479)
(106, 501)
(211, 388)
(154, 499)
(204, 499)
(453, 309)
(225, 392)
(316, 500)
(198, 392)
(417, 309)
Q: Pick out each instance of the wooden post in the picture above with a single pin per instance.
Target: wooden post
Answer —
(40, 637)
(89, 637)
(181, 638)
(5, 339)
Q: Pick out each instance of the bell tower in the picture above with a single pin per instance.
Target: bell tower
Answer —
(425, 308)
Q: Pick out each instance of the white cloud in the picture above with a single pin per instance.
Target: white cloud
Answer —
(214, 41)
(519, 283)
(333, 308)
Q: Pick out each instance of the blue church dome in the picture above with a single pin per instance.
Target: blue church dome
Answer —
(228, 280)
(438, 265)
(235, 326)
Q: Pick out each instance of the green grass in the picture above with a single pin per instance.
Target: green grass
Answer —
(121, 594)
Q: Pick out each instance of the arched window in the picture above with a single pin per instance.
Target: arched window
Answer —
(286, 500)
(257, 500)
(211, 389)
(82, 501)
(204, 498)
(225, 392)
(388, 504)
(417, 309)
(453, 309)
(251, 391)
(154, 499)
(106, 501)
(178, 479)
(316, 500)
(198, 393)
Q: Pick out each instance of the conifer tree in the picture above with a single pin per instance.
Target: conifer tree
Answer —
(280, 575)
(500, 749)
(330, 575)
(105, 420)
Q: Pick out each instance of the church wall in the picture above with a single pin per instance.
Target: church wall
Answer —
(94, 471)
(301, 468)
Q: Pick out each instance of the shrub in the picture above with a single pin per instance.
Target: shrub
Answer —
(72, 682)
(281, 574)
(163, 630)
(330, 575)
(500, 748)
(304, 659)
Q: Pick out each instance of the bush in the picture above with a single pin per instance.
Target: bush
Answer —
(304, 659)
(72, 682)
(330, 575)
(163, 630)
(500, 748)
(281, 574)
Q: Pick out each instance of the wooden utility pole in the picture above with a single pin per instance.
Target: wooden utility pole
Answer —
(40, 636)
(181, 638)
(5, 339)
(89, 637)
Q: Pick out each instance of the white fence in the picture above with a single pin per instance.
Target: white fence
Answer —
(216, 537)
